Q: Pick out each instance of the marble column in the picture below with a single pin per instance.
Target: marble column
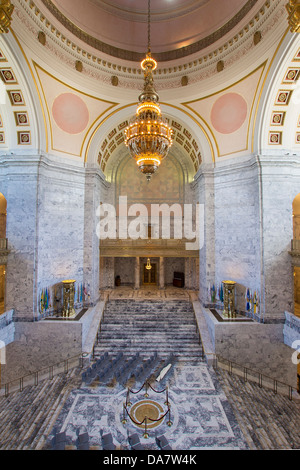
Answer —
(137, 273)
(161, 272)
(187, 274)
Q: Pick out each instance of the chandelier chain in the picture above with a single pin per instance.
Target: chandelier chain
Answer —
(149, 32)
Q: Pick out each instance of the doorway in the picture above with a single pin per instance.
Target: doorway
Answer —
(150, 275)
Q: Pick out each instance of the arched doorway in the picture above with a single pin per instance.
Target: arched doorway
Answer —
(296, 246)
(3, 207)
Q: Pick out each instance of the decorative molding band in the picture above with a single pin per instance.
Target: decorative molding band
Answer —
(159, 56)
(200, 68)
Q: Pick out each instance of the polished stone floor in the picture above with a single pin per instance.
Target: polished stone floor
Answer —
(147, 293)
(200, 413)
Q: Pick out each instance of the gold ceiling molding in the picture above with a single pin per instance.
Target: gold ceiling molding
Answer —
(293, 8)
(107, 66)
(6, 11)
(110, 105)
(219, 92)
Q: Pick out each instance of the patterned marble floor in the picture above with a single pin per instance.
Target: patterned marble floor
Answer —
(147, 293)
(201, 415)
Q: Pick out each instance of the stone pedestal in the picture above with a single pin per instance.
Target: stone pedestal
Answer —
(68, 298)
(229, 299)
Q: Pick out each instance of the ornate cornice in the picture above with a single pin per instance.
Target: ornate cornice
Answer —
(200, 68)
(159, 56)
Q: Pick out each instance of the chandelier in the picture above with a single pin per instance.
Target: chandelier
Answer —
(148, 265)
(148, 135)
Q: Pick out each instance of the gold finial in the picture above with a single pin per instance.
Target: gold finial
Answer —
(6, 10)
(293, 8)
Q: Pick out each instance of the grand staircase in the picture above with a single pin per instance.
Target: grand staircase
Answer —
(148, 327)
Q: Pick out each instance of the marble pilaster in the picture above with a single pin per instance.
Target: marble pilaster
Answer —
(137, 281)
(161, 272)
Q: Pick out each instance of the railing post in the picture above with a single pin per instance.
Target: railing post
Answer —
(21, 384)
(6, 390)
(260, 381)
(36, 379)
(245, 374)
(275, 387)
(146, 435)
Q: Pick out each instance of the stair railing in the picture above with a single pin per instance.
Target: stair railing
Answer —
(45, 373)
(251, 375)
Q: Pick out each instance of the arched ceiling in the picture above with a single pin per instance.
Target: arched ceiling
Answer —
(178, 27)
(70, 71)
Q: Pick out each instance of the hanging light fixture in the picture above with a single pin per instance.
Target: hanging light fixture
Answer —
(148, 136)
(148, 265)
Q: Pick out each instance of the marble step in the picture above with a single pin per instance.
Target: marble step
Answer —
(182, 355)
(160, 325)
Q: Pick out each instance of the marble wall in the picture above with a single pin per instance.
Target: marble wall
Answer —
(51, 227)
(280, 185)
(40, 344)
(124, 267)
(237, 230)
(60, 225)
(205, 195)
(248, 229)
(19, 185)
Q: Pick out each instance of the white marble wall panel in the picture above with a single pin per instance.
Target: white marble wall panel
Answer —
(19, 181)
(60, 225)
(204, 191)
(237, 230)
(280, 185)
(95, 192)
(107, 273)
(51, 226)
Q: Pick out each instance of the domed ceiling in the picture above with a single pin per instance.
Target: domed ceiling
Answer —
(178, 27)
